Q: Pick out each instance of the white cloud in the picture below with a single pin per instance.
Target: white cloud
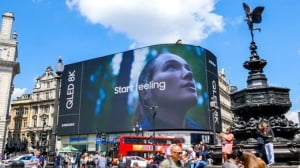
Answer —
(17, 93)
(236, 21)
(152, 22)
(293, 116)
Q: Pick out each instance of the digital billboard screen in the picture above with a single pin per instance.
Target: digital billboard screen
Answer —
(170, 83)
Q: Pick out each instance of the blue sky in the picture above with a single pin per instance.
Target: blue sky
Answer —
(78, 30)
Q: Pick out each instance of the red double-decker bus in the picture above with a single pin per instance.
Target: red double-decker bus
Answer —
(129, 145)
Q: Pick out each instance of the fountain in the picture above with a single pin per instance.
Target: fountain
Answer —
(261, 102)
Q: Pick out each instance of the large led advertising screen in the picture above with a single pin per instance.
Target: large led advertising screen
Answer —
(170, 83)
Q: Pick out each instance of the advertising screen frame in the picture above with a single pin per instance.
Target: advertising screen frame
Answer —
(104, 94)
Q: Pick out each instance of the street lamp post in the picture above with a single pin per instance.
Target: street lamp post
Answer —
(43, 135)
(137, 128)
(154, 112)
(31, 134)
(59, 71)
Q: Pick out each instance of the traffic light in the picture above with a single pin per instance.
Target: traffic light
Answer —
(103, 137)
(32, 138)
(44, 136)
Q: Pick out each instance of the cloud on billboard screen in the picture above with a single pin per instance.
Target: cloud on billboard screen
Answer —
(149, 22)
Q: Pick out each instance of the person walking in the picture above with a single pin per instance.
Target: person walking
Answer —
(77, 160)
(73, 161)
(90, 161)
(57, 160)
(101, 162)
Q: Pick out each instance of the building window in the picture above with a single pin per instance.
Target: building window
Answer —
(25, 111)
(18, 124)
(24, 123)
(37, 97)
(19, 111)
(35, 110)
(46, 109)
(48, 84)
(34, 122)
(47, 96)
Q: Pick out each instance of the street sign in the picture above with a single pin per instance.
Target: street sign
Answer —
(98, 141)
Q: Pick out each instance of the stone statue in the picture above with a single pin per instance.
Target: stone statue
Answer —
(253, 17)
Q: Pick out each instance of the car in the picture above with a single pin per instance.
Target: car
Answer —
(141, 161)
(18, 160)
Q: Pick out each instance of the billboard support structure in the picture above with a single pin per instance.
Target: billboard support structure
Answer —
(214, 112)
(154, 112)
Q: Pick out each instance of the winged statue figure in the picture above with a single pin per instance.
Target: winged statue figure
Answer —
(253, 17)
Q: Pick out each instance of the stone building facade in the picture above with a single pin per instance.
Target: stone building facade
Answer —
(31, 115)
(225, 103)
(8, 69)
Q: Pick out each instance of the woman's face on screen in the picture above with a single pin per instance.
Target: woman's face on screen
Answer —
(175, 73)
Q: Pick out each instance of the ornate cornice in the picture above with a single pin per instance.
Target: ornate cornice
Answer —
(11, 64)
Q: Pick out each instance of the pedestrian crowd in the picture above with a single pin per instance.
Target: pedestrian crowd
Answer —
(198, 157)
(83, 160)
(177, 157)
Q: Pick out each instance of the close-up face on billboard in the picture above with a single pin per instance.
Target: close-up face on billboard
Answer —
(169, 83)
